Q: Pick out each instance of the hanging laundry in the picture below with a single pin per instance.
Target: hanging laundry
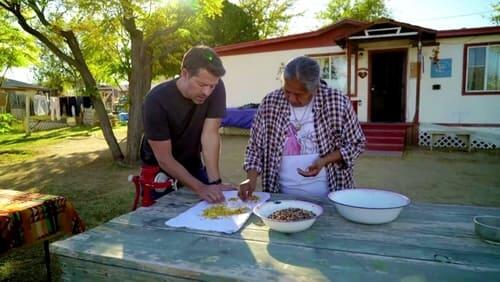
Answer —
(64, 107)
(55, 109)
(40, 105)
(87, 103)
(72, 104)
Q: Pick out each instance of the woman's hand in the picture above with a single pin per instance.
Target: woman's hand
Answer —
(313, 169)
(246, 189)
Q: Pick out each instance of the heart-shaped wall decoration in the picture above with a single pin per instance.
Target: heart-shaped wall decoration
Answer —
(362, 72)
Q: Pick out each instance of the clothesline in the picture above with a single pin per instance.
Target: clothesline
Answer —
(54, 106)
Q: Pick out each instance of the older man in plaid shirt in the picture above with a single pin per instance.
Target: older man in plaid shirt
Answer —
(304, 138)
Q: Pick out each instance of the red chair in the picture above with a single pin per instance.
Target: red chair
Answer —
(151, 179)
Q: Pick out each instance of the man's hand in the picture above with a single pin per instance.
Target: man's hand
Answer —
(246, 189)
(213, 193)
(313, 169)
(228, 186)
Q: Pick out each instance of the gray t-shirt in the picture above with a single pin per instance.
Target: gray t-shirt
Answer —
(167, 115)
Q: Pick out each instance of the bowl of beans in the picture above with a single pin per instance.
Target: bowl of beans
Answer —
(288, 216)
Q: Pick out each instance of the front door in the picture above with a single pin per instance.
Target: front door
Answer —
(387, 87)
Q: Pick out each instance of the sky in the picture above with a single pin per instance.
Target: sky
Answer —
(434, 14)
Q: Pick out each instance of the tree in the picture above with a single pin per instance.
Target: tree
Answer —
(16, 48)
(233, 25)
(149, 37)
(111, 39)
(54, 73)
(364, 10)
(270, 17)
(230, 25)
(48, 22)
(155, 35)
(495, 17)
(108, 40)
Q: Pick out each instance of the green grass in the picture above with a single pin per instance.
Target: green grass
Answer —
(43, 137)
(17, 147)
(90, 180)
(14, 155)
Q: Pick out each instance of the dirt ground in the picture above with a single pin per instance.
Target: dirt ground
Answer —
(438, 176)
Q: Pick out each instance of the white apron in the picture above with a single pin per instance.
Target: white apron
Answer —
(292, 182)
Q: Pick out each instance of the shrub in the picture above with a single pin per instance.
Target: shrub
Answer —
(6, 122)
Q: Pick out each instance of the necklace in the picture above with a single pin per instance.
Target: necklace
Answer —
(296, 123)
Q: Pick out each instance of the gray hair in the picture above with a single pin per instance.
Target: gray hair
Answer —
(305, 70)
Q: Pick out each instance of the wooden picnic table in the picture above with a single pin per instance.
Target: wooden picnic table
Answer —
(428, 242)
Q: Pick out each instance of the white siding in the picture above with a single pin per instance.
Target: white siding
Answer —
(362, 91)
(448, 105)
(249, 77)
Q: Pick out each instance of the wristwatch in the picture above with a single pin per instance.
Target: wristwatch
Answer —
(215, 182)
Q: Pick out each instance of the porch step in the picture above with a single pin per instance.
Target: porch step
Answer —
(384, 139)
(384, 147)
(384, 133)
(383, 153)
(384, 126)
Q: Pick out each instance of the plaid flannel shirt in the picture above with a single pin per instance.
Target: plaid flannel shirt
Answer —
(337, 128)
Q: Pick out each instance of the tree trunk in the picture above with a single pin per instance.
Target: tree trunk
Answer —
(106, 127)
(95, 96)
(139, 85)
(102, 115)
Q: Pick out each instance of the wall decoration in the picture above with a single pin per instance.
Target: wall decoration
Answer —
(441, 68)
(279, 73)
(435, 55)
(413, 69)
(362, 72)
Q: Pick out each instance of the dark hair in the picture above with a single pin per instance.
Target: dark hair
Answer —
(305, 70)
(202, 57)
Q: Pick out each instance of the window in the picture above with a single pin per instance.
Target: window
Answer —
(483, 69)
(334, 71)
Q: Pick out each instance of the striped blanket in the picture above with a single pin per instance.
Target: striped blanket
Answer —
(27, 218)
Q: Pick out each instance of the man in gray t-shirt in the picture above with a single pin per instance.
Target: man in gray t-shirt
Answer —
(181, 120)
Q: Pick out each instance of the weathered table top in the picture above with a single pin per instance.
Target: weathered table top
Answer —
(427, 242)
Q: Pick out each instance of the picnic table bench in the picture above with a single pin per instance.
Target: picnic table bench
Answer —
(463, 135)
(428, 242)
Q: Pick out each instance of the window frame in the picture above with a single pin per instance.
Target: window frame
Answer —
(353, 67)
(466, 92)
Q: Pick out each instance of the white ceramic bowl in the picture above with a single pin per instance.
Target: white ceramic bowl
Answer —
(369, 206)
(488, 228)
(264, 210)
